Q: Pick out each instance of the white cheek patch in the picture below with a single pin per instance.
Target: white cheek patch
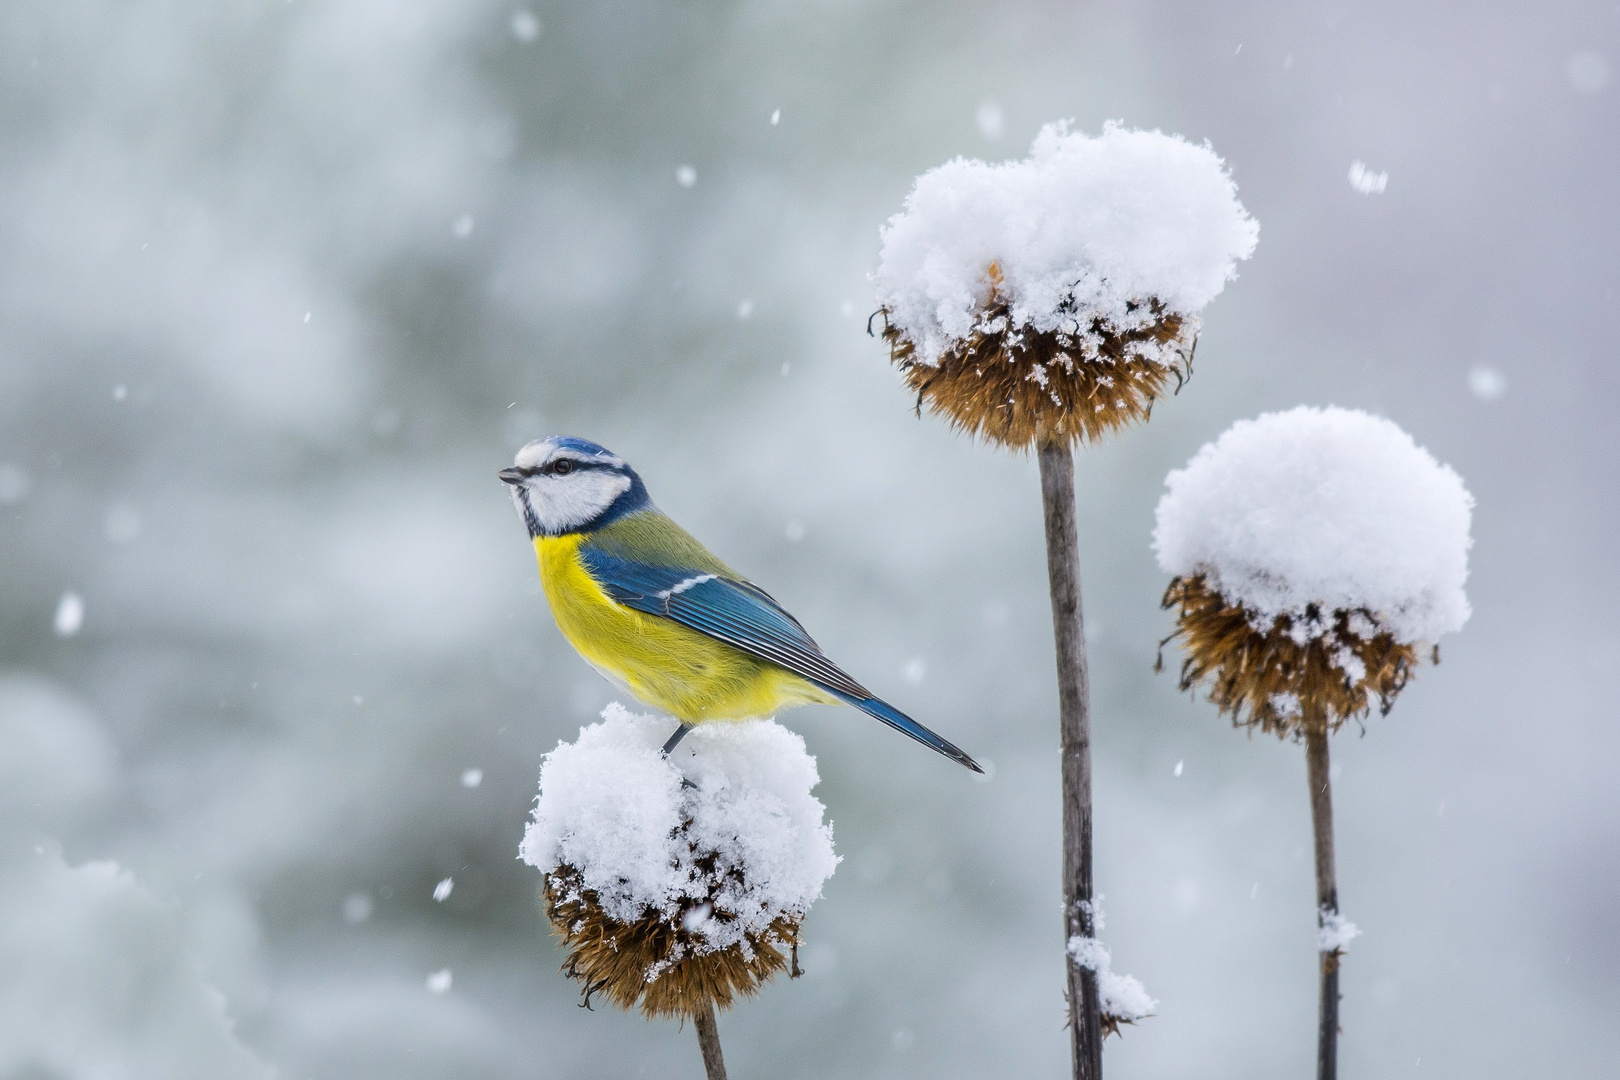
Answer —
(561, 503)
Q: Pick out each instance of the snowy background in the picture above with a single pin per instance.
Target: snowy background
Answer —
(285, 283)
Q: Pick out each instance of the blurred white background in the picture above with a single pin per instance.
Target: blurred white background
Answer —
(287, 281)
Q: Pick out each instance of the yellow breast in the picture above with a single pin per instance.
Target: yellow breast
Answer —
(691, 676)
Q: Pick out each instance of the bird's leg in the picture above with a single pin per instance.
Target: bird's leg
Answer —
(675, 739)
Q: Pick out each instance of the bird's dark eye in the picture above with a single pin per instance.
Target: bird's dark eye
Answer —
(562, 468)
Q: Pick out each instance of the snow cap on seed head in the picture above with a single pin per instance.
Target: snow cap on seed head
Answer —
(678, 883)
(1054, 297)
(1314, 552)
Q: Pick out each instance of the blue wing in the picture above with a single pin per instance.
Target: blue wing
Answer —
(744, 616)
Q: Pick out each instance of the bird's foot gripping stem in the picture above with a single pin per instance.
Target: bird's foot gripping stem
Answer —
(674, 741)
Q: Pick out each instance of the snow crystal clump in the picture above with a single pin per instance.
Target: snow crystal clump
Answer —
(1086, 228)
(744, 834)
(1121, 997)
(1331, 508)
(1334, 932)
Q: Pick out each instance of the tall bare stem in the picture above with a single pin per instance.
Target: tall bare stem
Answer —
(708, 1033)
(1074, 725)
(1317, 769)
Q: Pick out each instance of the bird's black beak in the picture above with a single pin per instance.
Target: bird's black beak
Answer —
(512, 476)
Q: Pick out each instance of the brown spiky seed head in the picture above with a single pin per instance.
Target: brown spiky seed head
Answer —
(1285, 673)
(663, 963)
(1019, 387)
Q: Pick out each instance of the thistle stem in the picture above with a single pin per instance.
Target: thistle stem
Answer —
(708, 1033)
(1074, 725)
(1317, 768)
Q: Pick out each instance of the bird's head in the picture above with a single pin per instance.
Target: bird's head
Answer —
(563, 485)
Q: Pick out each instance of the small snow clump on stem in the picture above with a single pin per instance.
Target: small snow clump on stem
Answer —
(1053, 298)
(679, 883)
(1334, 932)
(1121, 998)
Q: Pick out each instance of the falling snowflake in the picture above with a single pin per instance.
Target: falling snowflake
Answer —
(1366, 181)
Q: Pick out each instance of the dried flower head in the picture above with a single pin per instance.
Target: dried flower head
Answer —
(1055, 298)
(1018, 387)
(1283, 673)
(1315, 554)
(665, 962)
(678, 884)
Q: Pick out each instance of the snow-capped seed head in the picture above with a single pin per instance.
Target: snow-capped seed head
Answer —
(1055, 298)
(1317, 554)
(675, 896)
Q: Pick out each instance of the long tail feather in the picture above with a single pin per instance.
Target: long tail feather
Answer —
(898, 720)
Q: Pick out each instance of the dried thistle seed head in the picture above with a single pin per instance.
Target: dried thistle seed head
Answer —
(1314, 554)
(664, 962)
(1054, 298)
(1021, 387)
(1287, 672)
(678, 883)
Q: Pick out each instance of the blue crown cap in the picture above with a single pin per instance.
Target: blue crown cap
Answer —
(582, 446)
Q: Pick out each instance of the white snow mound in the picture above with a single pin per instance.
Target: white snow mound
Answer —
(1331, 506)
(611, 807)
(1080, 229)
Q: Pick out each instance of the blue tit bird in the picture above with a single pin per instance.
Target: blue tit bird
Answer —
(652, 610)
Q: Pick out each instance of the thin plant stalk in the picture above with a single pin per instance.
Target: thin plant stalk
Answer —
(1074, 725)
(1317, 769)
(708, 1033)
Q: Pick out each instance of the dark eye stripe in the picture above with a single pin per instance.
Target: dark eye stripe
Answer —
(574, 465)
